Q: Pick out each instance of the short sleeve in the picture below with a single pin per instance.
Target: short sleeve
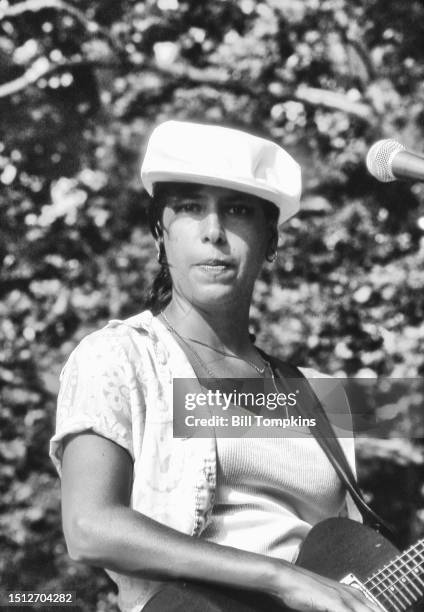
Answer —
(94, 394)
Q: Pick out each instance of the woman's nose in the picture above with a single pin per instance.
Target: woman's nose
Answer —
(213, 230)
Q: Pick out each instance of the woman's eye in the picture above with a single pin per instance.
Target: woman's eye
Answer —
(187, 207)
(239, 209)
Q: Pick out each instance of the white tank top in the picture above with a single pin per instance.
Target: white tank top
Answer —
(270, 492)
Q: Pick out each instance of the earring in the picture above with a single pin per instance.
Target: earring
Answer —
(272, 257)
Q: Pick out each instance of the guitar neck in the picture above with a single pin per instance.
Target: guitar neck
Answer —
(400, 584)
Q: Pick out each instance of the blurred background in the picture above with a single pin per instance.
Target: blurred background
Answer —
(82, 85)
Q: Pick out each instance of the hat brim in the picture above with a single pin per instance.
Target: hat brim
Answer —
(288, 206)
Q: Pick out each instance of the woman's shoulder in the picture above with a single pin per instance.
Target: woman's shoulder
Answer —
(115, 339)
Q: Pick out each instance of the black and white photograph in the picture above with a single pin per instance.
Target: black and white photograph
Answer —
(212, 305)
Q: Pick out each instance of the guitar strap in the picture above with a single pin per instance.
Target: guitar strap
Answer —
(329, 442)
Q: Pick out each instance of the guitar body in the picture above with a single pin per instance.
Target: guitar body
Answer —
(333, 548)
(337, 547)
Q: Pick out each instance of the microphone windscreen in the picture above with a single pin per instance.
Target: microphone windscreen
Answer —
(380, 159)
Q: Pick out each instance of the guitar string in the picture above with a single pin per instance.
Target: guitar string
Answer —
(394, 595)
(401, 579)
(400, 583)
(388, 602)
(407, 552)
(383, 589)
(398, 579)
(406, 575)
(415, 569)
(411, 571)
(390, 595)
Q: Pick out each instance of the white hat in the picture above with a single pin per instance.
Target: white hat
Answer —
(179, 151)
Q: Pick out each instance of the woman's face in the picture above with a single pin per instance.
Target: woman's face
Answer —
(215, 241)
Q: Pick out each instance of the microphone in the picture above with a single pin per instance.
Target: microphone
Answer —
(388, 160)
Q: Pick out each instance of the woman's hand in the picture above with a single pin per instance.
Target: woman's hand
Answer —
(305, 591)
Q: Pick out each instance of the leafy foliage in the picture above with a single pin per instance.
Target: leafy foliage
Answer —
(82, 85)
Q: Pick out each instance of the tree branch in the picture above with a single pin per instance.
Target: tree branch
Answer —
(42, 68)
(309, 96)
(34, 6)
(32, 75)
(214, 77)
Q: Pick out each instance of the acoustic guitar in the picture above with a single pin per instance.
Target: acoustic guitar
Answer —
(356, 555)
(336, 548)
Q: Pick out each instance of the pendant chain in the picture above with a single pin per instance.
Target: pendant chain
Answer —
(260, 371)
(209, 371)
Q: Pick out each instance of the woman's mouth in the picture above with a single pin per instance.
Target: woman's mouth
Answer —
(216, 267)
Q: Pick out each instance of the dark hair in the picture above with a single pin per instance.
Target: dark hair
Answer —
(161, 290)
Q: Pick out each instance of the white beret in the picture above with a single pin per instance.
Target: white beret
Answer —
(179, 151)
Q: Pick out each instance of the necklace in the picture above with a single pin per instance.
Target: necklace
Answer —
(209, 371)
(260, 371)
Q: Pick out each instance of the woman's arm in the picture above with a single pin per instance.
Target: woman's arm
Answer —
(100, 529)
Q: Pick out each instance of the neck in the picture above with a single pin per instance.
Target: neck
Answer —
(219, 328)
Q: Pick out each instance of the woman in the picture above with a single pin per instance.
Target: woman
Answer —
(226, 513)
